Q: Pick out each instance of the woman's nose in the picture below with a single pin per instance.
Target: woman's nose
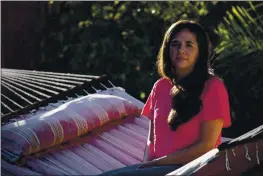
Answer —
(181, 50)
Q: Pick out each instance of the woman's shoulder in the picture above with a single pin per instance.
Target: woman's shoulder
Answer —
(163, 82)
(214, 83)
(214, 80)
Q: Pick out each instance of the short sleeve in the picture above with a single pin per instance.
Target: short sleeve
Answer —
(216, 102)
(148, 109)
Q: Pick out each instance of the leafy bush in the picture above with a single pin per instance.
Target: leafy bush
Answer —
(120, 39)
(240, 63)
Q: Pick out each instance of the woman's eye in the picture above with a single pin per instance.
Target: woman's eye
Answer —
(189, 45)
(175, 44)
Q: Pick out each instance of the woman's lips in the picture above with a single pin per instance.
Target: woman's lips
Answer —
(181, 59)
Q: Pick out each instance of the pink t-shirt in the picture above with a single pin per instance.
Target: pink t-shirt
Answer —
(157, 108)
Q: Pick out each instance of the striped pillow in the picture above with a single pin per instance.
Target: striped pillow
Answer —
(67, 121)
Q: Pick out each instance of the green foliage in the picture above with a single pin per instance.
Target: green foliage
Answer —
(240, 63)
(117, 38)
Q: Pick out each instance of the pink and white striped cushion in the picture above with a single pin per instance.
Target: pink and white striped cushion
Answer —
(93, 154)
(66, 122)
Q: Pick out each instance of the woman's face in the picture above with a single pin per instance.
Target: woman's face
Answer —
(184, 51)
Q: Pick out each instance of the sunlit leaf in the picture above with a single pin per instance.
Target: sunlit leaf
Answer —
(142, 95)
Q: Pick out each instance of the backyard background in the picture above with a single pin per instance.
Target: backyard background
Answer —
(122, 39)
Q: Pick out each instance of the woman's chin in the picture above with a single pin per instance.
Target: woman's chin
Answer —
(181, 65)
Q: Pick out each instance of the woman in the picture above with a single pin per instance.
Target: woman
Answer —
(187, 107)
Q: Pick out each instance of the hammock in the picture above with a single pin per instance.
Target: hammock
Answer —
(238, 156)
(93, 133)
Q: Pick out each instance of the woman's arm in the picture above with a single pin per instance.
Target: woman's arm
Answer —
(148, 152)
(210, 131)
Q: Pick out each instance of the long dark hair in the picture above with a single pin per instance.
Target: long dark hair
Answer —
(186, 102)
